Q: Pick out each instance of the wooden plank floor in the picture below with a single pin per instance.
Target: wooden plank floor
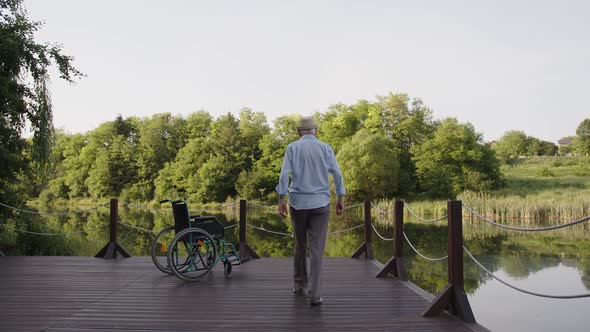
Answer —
(93, 294)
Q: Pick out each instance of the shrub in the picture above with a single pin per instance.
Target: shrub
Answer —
(546, 172)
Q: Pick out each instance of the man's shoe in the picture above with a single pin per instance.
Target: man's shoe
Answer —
(317, 301)
(299, 291)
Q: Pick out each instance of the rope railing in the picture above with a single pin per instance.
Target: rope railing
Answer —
(290, 234)
(53, 213)
(420, 254)
(574, 296)
(155, 232)
(379, 235)
(137, 227)
(345, 230)
(420, 218)
(140, 207)
(274, 207)
(269, 231)
(229, 205)
(59, 234)
(353, 206)
(522, 229)
(262, 206)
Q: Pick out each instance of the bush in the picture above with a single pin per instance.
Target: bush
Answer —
(582, 169)
(546, 172)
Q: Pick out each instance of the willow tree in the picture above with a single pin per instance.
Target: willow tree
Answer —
(24, 96)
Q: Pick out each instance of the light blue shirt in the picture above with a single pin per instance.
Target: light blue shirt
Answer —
(309, 161)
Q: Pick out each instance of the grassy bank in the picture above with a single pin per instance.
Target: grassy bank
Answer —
(537, 191)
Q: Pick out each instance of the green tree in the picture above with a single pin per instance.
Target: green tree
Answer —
(179, 179)
(409, 123)
(110, 157)
(198, 124)
(341, 122)
(511, 145)
(253, 127)
(160, 138)
(581, 142)
(370, 166)
(567, 148)
(548, 148)
(25, 97)
(259, 183)
(75, 165)
(448, 162)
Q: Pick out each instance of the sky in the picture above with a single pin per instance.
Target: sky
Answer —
(500, 65)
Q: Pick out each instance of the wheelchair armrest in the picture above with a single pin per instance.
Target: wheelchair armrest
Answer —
(194, 216)
(204, 218)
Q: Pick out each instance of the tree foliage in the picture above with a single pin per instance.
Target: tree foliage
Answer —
(25, 99)
(390, 147)
(455, 159)
(516, 143)
(370, 165)
(581, 143)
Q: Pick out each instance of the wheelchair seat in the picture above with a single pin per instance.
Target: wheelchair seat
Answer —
(183, 220)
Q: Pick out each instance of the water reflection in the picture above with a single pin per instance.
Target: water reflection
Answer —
(500, 308)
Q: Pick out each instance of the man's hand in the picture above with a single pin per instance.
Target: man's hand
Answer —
(283, 208)
(339, 206)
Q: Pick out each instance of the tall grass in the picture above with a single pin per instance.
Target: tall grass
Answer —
(527, 199)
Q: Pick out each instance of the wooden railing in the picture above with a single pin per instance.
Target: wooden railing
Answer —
(452, 298)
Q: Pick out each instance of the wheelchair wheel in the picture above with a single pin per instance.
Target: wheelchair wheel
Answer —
(192, 254)
(227, 268)
(159, 251)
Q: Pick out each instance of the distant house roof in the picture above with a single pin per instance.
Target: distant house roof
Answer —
(565, 141)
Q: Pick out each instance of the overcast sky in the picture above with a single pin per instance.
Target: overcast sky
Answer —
(500, 65)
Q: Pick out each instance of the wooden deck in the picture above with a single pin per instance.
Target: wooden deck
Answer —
(93, 294)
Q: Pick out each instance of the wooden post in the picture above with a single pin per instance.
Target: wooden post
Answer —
(395, 265)
(114, 216)
(366, 247)
(245, 249)
(453, 297)
(110, 249)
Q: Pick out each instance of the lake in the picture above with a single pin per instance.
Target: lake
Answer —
(556, 262)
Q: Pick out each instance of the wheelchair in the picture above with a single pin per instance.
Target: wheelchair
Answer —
(196, 244)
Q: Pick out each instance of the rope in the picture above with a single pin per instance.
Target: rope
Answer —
(272, 207)
(420, 218)
(526, 229)
(354, 206)
(53, 213)
(419, 254)
(261, 206)
(269, 231)
(379, 235)
(143, 207)
(577, 296)
(345, 230)
(154, 232)
(138, 228)
(229, 205)
(58, 234)
(290, 234)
